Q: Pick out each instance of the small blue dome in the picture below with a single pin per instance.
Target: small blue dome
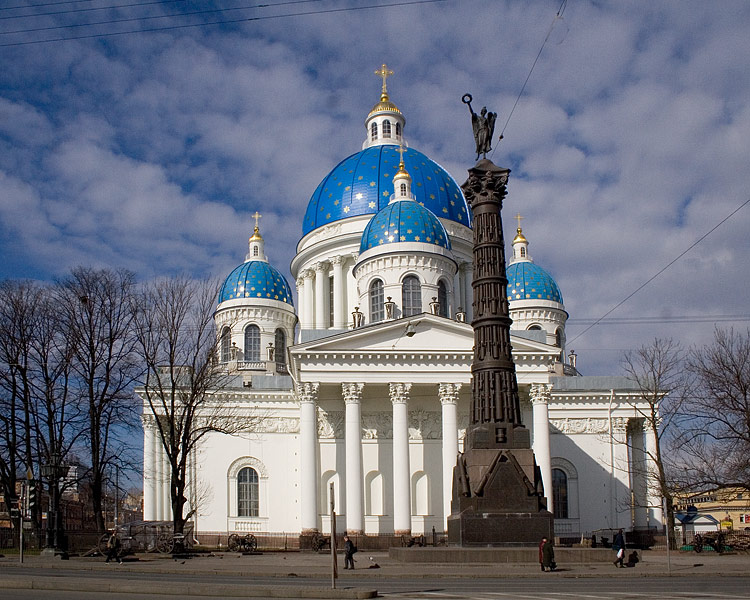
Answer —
(363, 184)
(256, 279)
(527, 281)
(404, 221)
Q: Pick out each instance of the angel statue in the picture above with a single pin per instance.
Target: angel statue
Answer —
(483, 125)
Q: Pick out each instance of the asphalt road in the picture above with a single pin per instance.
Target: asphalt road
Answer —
(550, 586)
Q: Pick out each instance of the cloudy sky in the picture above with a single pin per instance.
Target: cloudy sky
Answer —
(151, 150)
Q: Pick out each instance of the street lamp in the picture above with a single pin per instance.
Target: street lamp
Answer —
(53, 471)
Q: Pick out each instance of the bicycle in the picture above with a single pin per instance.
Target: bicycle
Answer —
(245, 543)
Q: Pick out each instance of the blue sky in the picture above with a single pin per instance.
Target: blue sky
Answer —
(150, 151)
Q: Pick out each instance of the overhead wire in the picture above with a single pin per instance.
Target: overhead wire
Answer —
(558, 16)
(151, 17)
(669, 264)
(90, 9)
(223, 22)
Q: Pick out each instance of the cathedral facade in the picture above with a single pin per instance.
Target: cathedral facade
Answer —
(359, 395)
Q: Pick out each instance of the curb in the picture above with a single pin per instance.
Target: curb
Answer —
(135, 586)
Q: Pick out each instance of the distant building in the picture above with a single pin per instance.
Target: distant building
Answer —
(728, 506)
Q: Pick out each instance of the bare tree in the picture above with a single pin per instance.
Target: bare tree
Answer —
(95, 306)
(717, 439)
(658, 371)
(19, 309)
(178, 346)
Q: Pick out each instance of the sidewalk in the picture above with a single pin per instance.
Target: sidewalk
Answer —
(318, 566)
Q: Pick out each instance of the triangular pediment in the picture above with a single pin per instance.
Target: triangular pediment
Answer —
(429, 333)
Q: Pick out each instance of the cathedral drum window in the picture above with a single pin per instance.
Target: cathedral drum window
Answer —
(442, 299)
(226, 345)
(411, 296)
(377, 306)
(386, 129)
(252, 343)
(280, 346)
(374, 131)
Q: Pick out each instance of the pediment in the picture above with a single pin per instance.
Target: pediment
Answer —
(430, 334)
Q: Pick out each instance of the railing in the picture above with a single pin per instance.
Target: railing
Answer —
(250, 365)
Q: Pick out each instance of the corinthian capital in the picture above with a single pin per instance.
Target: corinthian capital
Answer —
(307, 391)
(399, 392)
(539, 393)
(448, 392)
(352, 392)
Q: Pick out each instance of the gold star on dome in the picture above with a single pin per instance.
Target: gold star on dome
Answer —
(358, 196)
(403, 238)
(371, 205)
(416, 238)
(346, 209)
(336, 202)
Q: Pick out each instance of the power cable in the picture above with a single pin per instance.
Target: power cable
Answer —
(80, 10)
(559, 15)
(657, 320)
(673, 261)
(46, 4)
(225, 22)
(131, 19)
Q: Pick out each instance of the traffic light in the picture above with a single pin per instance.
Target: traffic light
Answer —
(31, 496)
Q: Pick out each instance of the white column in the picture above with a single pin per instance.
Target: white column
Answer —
(340, 318)
(653, 493)
(620, 474)
(301, 301)
(165, 488)
(540, 396)
(353, 433)
(640, 476)
(158, 481)
(321, 295)
(309, 294)
(448, 393)
(149, 470)
(399, 393)
(307, 394)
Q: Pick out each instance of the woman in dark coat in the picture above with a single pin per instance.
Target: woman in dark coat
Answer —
(548, 556)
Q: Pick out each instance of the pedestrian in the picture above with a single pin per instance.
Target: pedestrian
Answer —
(618, 545)
(548, 556)
(113, 548)
(349, 550)
(541, 552)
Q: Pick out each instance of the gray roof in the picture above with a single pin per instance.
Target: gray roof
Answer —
(593, 382)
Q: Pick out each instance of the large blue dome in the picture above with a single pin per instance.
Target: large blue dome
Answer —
(362, 185)
(404, 221)
(527, 281)
(256, 279)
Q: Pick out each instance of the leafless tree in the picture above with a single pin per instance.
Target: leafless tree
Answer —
(658, 371)
(183, 379)
(95, 306)
(717, 439)
(19, 310)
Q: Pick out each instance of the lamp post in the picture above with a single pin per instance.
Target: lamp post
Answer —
(53, 471)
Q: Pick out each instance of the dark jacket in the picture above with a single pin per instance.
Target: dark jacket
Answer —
(548, 554)
(619, 542)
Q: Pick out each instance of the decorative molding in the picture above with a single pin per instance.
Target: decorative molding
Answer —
(247, 461)
(425, 425)
(377, 426)
(330, 424)
(589, 425)
(539, 393)
(277, 425)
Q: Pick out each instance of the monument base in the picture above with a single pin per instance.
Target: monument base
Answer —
(498, 500)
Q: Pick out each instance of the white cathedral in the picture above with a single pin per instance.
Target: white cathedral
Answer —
(367, 383)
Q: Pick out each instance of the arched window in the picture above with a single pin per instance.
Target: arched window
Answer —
(523, 252)
(374, 131)
(398, 129)
(442, 299)
(252, 343)
(226, 345)
(558, 338)
(386, 129)
(255, 250)
(403, 189)
(411, 296)
(535, 328)
(377, 309)
(280, 347)
(560, 493)
(247, 493)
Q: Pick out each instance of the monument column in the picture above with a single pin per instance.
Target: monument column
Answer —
(399, 393)
(307, 394)
(340, 318)
(653, 493)
(353, 434)
(448, 393)
(540, 396)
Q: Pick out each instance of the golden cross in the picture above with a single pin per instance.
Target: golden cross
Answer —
(518, 217)
(401, 152)
(384, 72)
(256, 216)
